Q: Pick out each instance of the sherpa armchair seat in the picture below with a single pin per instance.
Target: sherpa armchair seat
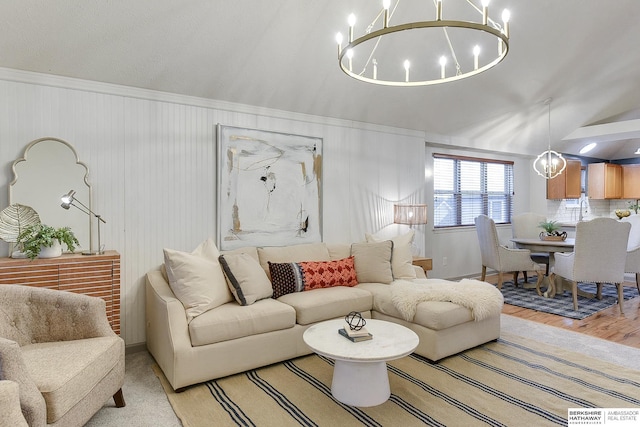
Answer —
(60, 350)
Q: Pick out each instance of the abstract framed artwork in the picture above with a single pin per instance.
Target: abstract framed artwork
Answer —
(269, 188)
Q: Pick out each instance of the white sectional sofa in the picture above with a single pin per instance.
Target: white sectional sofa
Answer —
(225, 337)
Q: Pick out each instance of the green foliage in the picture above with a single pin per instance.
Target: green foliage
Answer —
(32, 238)
(635, 206)
(550, 226)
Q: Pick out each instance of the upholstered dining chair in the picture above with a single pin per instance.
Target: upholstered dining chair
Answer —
(599, 256)
(58, 347)
(501, 258)
(632, 264)
(526, 226)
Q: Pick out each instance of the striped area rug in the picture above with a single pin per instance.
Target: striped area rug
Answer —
(510, 382)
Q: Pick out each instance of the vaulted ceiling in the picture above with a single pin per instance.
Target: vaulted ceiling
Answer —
(281, 54)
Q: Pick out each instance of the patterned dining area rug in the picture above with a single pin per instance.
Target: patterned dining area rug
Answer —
(508, 382)
(562, 304)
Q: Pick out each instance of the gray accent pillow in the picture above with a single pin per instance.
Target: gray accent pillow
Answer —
(401, 258)
(246, 278)
(373, 261)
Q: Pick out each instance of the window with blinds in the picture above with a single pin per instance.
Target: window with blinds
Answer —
(465, 187)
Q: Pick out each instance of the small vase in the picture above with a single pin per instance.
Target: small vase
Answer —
(51, 252)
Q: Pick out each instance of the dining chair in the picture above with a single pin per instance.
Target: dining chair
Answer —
(632, 264)
(526, 226)
(502, 258)
(599, 256)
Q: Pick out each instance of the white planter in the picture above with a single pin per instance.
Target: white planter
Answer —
(51, 252)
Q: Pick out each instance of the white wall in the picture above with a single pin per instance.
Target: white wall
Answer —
(152, 163)
(456, 252)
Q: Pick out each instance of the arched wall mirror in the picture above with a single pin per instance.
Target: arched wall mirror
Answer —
(49, 168)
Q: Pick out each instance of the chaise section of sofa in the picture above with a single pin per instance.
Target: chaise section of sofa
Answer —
(444, 328)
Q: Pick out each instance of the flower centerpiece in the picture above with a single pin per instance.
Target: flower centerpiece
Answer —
(552, 231)
(41, 240)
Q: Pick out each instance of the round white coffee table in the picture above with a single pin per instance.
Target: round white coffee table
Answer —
(360, 375)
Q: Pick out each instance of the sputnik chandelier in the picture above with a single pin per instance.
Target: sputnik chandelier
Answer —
(549, 164)
(418, 53)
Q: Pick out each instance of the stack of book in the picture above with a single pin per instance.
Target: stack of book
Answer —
(355, 336)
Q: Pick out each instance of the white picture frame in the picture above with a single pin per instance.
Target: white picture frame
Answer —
(269, 188)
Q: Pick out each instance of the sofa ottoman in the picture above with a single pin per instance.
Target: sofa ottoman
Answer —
(444, 328)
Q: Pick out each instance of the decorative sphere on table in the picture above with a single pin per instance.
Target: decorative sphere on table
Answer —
(355, 321)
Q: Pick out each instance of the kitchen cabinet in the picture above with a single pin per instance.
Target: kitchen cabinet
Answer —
(605, 181)
(567, 184)
(631, 181)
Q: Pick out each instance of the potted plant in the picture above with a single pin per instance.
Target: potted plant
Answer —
(41, 240)
(551, 231)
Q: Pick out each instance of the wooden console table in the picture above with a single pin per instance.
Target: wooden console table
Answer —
(425, 263)
(94, 275)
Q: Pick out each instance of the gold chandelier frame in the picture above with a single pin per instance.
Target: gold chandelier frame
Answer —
(502, 35)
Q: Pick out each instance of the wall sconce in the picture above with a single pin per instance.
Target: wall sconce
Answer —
(67, 201)
(410, 214)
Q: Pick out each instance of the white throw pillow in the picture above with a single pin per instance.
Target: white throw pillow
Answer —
(197, 279)
(373, 261)
(246, 278)
(401, 258)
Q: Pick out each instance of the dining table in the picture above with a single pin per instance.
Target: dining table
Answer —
(550, 247)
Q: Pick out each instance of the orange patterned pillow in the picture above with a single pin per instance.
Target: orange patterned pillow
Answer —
(325, 274)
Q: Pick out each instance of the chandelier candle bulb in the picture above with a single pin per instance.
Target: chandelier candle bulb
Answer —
(443, 63)
(385, 5)
(485, 12)
(352, 23)
(506, 16)
(375, 69)
(476, 54)
(350, 56)
(407, 64)
(339, 41)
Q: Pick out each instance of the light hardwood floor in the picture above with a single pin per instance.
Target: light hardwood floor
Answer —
(608, 324)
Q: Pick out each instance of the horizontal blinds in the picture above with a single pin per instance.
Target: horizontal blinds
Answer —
(465, 187)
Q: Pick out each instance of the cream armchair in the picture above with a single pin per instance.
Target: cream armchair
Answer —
(60, 350)
(599, 256)
(10, 405)
(632, 264)
(501, 258)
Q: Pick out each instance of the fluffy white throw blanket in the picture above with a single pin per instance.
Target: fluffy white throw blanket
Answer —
(483, 299)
